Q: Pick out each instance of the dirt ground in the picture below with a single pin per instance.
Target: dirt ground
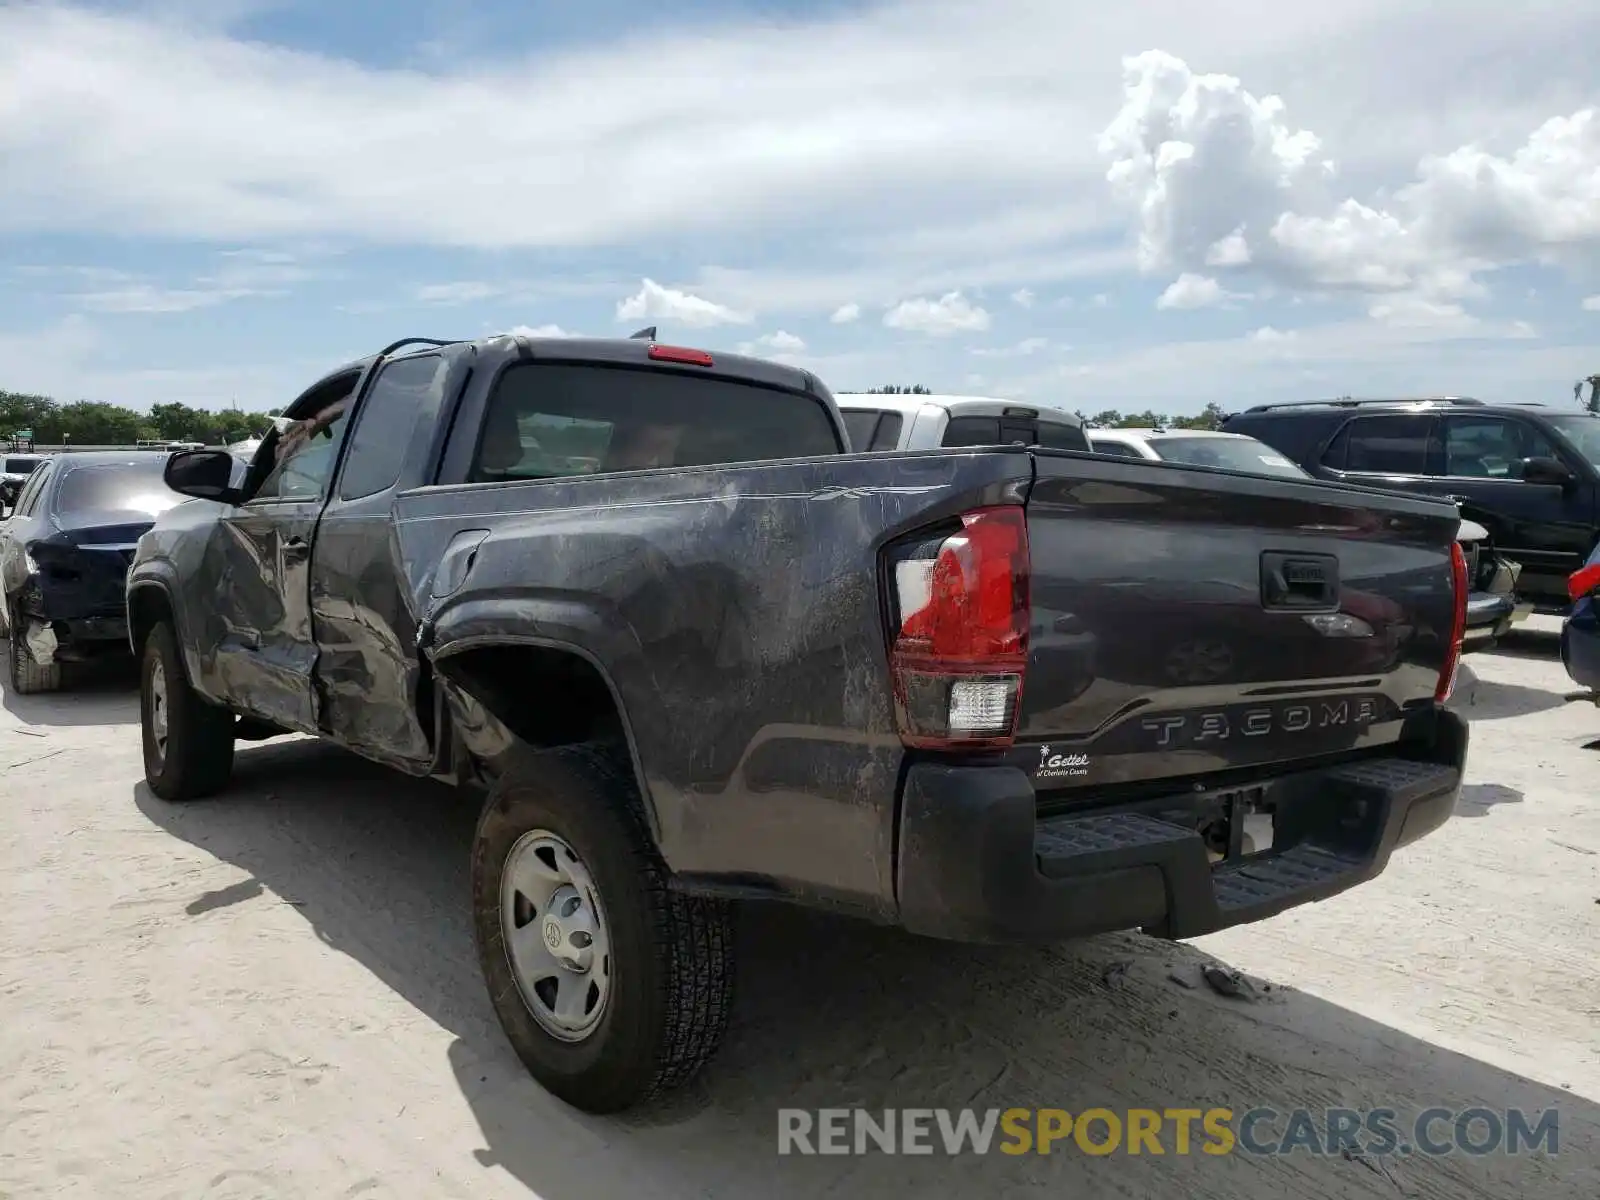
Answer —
(274, 994)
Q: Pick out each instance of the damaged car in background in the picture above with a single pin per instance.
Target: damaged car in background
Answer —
(64, 555)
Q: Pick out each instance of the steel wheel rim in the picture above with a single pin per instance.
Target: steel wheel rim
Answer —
(556, 938)
(158, 709)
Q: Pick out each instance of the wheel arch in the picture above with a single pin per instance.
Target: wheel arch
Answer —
(490, 685)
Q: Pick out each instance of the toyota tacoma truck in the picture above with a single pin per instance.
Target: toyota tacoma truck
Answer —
(696, 651)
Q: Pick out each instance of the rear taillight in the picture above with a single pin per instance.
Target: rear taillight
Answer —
(1583, 581)
(1458, 625)
(960, 646)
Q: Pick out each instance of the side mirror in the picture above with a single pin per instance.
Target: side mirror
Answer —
(1548, 471)
(203, 474)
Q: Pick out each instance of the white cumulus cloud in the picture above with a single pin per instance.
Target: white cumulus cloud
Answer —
(652, 302)
(1022, 297)
(781, 342)
(846, 313)
(1191, 291)
(1221, 180)
(950, 313)
(1591, 304)
(541, 331)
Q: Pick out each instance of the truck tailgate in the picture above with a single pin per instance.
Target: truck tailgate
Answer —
(1187, 621)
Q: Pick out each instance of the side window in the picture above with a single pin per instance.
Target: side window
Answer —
(304, 455)
(1058, 436)
(405, 394)
(888, 435)
(859, 424)
(1491, 447)
(873, 428)
(1393, 444)
(972, 431)
(28, 499)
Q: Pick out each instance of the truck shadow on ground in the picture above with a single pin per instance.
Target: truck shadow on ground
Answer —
(831, 1013)
(1485, 700)
(1477, 799)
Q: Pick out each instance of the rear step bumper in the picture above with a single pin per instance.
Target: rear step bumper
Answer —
(976, 864)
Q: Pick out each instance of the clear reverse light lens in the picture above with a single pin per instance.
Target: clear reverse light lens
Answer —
(983, 705)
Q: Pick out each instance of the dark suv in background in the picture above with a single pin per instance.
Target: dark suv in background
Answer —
(1526, 473)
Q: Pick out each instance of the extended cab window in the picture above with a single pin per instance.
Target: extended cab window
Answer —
(553, 420)
(403, 396)
(1388, 444)
(1491, 447)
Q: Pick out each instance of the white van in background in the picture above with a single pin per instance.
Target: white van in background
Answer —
(906, 421)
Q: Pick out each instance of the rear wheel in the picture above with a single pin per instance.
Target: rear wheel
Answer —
(188, 742)
(28, 676)
(611, 987)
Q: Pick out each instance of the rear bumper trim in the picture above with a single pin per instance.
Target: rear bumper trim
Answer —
(975, 864)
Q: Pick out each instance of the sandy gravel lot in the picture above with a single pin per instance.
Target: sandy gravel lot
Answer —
(273, 994)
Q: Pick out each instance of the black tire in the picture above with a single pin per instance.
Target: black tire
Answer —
(28, 678)
(197, 757)
(671, 960)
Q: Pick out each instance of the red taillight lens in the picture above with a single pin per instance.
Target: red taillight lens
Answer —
(1458, 625)
(680, 354)
(1583, 581)
(961, 642)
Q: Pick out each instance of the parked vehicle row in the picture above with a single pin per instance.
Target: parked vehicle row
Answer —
(904, 422)
(1526, 473)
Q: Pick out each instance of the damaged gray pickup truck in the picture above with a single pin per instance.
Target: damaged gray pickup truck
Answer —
(697, 651)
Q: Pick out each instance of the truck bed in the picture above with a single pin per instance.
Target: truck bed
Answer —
(739, 614)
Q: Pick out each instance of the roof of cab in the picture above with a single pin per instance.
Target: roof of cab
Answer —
(615, 351)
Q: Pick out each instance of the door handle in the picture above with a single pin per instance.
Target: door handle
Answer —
(297, 544)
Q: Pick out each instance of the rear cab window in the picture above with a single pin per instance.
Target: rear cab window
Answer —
(95, 489)
(1006, 430)
(549, 420)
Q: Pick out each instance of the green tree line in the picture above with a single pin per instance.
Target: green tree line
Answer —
(95, 423)
(1210, 417)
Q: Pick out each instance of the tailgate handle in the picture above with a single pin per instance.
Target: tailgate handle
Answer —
(1299, 582)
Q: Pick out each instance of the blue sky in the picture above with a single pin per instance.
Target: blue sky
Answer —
(1144, 205)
